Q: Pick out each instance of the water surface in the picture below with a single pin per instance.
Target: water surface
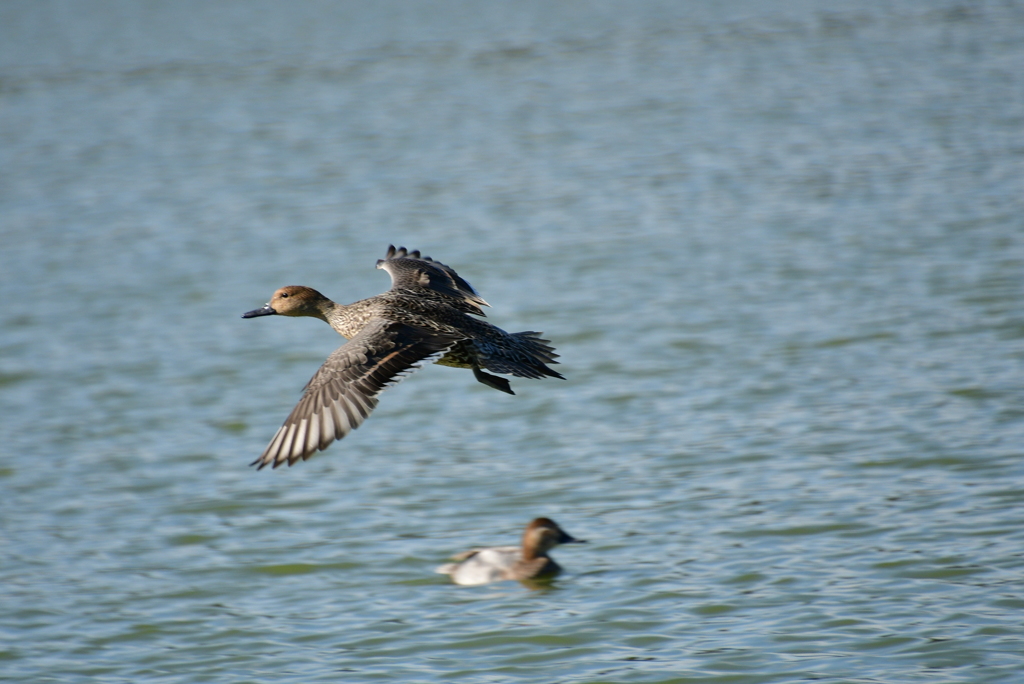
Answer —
(779, 248)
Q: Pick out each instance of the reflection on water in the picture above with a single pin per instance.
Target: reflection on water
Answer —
(779, 249)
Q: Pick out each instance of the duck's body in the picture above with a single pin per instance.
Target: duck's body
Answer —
(529, 561)
(480, 344)
(427, 314)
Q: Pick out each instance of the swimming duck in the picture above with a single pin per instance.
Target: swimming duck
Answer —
(428, 314)
(528, 562)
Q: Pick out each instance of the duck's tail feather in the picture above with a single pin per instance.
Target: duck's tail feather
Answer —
(526, 357)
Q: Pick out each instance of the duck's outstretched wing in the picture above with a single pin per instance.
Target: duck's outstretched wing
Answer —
(417, 274)
(343, 393)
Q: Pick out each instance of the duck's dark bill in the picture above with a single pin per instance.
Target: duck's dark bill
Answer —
(264, 311)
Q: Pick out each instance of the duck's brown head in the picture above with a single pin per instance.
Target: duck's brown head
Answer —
(293, 300)
(542, 535)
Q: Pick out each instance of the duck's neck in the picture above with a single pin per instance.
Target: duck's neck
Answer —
(541, 566)
(532, 554)
(343, 318)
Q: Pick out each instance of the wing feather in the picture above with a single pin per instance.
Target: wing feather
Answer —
(421, 275)
(343, 392)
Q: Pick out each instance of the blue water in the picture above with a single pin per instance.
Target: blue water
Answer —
(779, 246)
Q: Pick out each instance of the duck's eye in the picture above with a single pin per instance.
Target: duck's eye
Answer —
(284, 295)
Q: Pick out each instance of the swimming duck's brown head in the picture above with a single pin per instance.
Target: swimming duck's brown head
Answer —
(293, 300)
(542, 535)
